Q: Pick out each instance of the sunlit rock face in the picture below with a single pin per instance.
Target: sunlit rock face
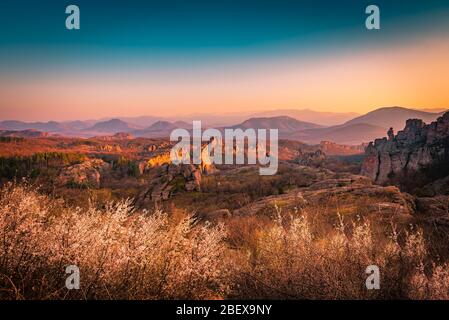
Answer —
(416, 147)
(87, 173)
(172, 178)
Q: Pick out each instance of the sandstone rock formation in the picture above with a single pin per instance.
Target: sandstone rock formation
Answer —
(173, 178)
(85, 174)
(311, 158)
(349, 195)
(151, 148)
(416, 147)
(117, 136)
(110, 148)
(142, 167)
(123, 136)
(159, 159)
(332, 148)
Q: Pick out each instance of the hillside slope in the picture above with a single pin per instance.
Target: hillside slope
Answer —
(393, 117)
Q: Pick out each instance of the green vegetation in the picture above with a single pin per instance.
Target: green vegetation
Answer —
(248, 182)
(126, 166)
(32, 166)
(11, 139)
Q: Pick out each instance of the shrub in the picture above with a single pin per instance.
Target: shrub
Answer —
(124, 254)
(289, 261)
(121, 254)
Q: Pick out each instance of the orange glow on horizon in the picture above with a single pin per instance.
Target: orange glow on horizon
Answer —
(412, 75)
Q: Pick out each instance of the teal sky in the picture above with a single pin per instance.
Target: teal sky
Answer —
(144, 57)
(32, 33)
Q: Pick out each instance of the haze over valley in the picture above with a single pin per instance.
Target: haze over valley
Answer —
(351, 196)
(302, 125)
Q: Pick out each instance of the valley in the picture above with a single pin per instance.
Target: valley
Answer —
(290, 124)
(219, 155)
(340, 207)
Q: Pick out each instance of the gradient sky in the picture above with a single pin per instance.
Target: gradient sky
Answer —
(169, 58)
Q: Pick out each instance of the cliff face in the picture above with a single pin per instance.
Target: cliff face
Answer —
(417, 146)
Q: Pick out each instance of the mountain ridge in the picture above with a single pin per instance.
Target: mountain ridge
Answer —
(323, 118)
(394, 117)
(284, 124)
(358, 130)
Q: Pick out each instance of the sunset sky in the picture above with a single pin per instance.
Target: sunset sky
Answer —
(168, 58)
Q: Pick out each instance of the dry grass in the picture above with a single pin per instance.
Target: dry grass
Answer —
(124, 254)
(121, 254)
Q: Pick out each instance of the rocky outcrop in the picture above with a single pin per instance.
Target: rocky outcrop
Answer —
(159, 160)
(171, 179)
(190, 173)
(348, 195)
(85, 174)
(110, 148)
(117, 136)
(334, 149)
(123, 136)
(311, 158)
(151, 148)
(142, 166)
(417, 146)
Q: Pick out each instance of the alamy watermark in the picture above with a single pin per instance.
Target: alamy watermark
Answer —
(72, 282)
(372, 22)
(73, 21)
(258, 147)
(373, 280)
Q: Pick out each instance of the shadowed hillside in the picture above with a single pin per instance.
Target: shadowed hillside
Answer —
(394, 117)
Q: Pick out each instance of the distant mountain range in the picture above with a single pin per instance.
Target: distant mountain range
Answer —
(51, 126)
(367, 127)
(29, 133)
(353, 131)
(307, 115)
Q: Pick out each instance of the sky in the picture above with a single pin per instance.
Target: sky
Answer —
(168, 58)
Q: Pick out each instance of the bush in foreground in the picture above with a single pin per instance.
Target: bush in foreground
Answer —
(121, 254)
(124, 254)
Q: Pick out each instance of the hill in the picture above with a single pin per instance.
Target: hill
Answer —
(321, 118)
(393, 117)
(285, 125)
(30, 133)
(161, 129)
(352, 134)
(50, 126)
(111, 126)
